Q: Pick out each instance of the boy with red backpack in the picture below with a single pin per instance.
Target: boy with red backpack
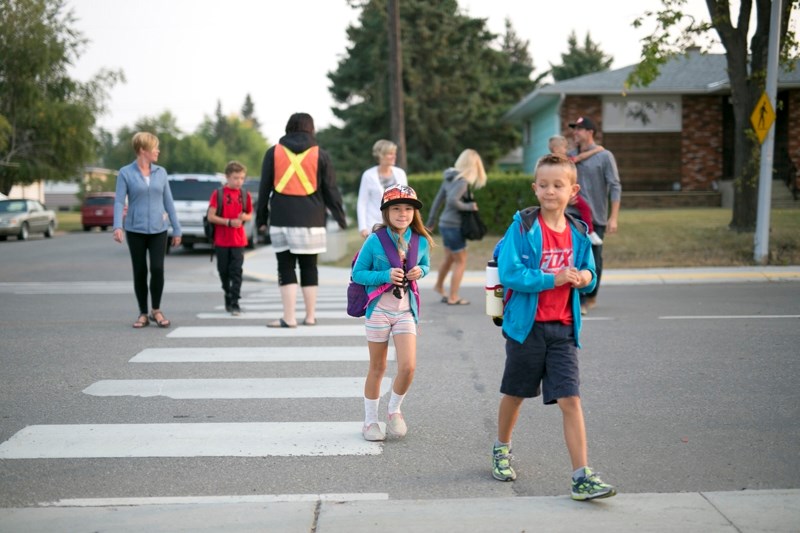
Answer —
(230, 239)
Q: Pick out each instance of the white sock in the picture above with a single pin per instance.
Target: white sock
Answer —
(371, 410)
(579, 473)
(394, 402)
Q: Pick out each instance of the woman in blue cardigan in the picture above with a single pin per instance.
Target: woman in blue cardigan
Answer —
(143, 185)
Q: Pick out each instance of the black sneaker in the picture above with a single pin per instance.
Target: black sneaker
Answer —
(235, 310)
(228, 306)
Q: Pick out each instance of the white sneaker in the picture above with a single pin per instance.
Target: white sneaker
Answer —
(595, 239)
(396, 426)
(373, 432)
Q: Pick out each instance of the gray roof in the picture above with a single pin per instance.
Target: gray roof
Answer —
(693, 73)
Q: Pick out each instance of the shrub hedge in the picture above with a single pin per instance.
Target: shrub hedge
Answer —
(503, 195)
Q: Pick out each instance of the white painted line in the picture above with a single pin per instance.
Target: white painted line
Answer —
(340, 299)
(272, 315)
(195, 389)
(288, 354)
(723, 317)
(300, 310)
(285, 439)
(263, 331)
(205, 500)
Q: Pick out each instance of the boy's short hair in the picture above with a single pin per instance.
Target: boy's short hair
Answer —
(144, 140)
(234, 166)
(553, 160)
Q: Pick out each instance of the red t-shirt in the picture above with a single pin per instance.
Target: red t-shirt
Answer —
(231, 208)
(556, 256)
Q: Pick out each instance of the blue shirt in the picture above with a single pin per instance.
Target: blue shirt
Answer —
(150, 207)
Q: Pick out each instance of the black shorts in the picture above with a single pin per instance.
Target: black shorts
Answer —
(547, 360)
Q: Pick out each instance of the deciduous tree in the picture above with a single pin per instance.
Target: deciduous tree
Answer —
(746, 54)
(46, 117)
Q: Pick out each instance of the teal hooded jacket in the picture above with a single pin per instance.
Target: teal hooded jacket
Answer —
(518, 263)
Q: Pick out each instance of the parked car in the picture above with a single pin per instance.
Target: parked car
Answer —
(97, 210)
(23, 217)
(191, 192)
(253, 237)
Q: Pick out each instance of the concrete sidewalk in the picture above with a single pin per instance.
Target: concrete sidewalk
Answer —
(686, 512)
(260, 265)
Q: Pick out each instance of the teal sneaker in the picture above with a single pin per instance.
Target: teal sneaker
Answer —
(590, 487)
(501, 469)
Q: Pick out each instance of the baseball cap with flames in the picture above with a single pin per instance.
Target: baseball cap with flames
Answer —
(400, 194)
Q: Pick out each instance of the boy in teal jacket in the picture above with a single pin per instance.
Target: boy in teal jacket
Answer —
(545, 267)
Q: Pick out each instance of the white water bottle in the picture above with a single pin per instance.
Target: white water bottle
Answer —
(494, 291)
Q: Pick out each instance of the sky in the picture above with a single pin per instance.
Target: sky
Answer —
(186, 55)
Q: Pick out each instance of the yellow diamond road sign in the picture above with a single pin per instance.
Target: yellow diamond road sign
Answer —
(762, 118)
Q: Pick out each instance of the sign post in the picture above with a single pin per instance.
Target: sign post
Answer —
(762, 113)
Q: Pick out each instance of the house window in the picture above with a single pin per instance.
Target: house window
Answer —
(641, 113)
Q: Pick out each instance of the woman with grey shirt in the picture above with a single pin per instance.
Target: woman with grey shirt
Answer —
(145, 188)
(467, 172)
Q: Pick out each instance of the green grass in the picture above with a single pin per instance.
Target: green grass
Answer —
(650, 238)
(69, 220)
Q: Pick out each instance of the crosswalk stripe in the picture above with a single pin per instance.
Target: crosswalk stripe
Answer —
(195, 389)
(328, 306)
(206, 500)
(284, 439)
(194, 332)
(342, 299)
(290, 354)
(250, 315)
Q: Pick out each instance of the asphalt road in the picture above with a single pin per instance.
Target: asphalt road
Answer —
(685, 388)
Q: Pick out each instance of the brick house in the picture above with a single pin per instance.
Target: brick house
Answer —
(674, 135)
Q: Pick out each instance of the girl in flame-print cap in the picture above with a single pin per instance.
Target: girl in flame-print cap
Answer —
(393, 258)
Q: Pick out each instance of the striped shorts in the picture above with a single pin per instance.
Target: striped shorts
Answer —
(382, 322)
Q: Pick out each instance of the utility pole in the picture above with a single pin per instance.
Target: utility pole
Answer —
(398, 121)
(761, 238)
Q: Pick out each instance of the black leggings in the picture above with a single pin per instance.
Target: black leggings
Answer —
(140, 244)
(308, 268)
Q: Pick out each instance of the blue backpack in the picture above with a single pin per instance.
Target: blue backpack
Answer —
(357, 296)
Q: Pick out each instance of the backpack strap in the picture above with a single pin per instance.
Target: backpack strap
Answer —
(579, 224)
(220, 199)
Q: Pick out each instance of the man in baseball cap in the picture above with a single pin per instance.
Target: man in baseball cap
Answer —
(600, 187)
(584, 123)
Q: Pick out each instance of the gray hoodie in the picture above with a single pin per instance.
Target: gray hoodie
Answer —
(450, 193)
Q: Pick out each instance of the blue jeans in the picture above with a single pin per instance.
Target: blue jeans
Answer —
(453, 240)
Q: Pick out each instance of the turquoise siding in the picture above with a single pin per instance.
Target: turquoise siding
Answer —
(541, 126)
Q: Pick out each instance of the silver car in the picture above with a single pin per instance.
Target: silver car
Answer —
(191, 194)
(23, 217)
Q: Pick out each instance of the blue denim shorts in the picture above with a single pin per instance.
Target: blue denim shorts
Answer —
(453, 240)
(547, 361)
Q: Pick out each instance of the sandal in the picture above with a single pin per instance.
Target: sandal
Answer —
(141, 322)
(160, 322)
(280, 324)
(460, 301)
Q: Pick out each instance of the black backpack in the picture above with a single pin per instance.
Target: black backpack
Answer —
(208, 227)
